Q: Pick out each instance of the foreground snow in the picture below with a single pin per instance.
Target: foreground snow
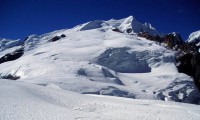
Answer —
(24, 101)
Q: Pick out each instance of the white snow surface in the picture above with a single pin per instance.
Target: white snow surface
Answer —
(24, 101)
(193, 37)
(95, 60)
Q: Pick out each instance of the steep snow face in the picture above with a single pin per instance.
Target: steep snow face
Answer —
(194, 37)
(7, 43)
(127, 25)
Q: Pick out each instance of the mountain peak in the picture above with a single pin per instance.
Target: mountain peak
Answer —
(127, 25)
(129, 19)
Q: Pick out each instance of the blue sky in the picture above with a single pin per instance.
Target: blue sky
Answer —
(20, 18)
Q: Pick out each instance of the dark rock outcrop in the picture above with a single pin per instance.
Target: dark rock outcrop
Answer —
(171, 40)
(10, 77)
(63, 35)
(82, 72)
(195, 63)
(189, 63)
(12, 56)
(184, 64)
(150, 37)
(56, 38)
(116, 30)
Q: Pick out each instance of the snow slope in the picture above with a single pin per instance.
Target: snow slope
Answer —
(24, 101)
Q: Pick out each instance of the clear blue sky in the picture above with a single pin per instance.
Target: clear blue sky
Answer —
(20, 18)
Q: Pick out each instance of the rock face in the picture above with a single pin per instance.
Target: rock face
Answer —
(195, 62)
(189, 64)
(150, 37)
(189, 59)
(184, 64)
(171, 40)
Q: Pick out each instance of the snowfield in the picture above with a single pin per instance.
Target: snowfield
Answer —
(24, 101)
(58, 68)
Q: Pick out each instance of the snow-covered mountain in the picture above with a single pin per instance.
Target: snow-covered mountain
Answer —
(101, 58)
